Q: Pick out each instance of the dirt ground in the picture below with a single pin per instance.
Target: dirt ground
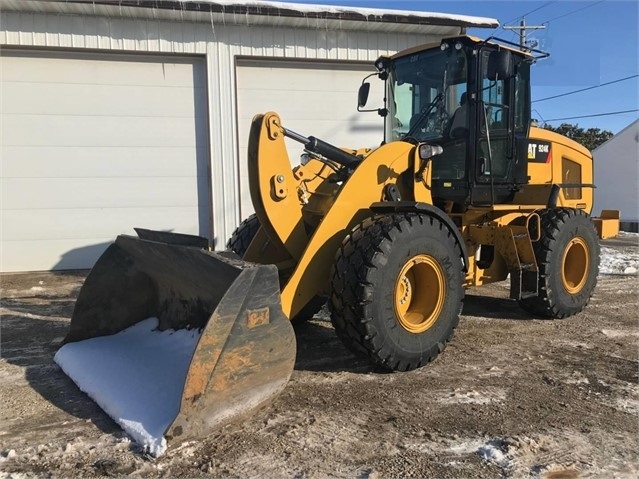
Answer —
(511, 396)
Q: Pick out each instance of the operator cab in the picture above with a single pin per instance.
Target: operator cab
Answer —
(472, 98)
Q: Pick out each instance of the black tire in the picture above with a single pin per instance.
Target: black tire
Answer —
(243, 235)
(376, 269)
(568, 259)
(239, 243)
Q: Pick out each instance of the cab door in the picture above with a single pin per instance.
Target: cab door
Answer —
(501, 118)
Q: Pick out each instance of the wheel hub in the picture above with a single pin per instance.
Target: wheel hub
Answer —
(405, 290)
(575, 265)
(420, 290)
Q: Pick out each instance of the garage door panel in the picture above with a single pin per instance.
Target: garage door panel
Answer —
(307, 76)
(79, 162)
(54, 130)
(32, 193)
(313, 99)
(93, 145)
(298, 107)
(343, 135)
(54, 225)
(116, 69)
(71, 99)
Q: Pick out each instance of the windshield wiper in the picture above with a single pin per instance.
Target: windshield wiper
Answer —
(424, 114)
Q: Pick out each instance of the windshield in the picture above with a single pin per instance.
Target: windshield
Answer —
(425, 89)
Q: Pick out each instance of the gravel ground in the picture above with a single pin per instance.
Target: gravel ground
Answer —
(511, 396)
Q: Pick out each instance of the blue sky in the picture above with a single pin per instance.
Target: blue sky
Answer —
(591, 42)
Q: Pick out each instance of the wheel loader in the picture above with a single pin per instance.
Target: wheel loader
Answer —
(462, 191)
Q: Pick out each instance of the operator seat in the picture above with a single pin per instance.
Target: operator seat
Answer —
(458, 126)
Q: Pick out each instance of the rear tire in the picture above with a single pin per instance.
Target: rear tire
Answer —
(568, 259)
(397, 290)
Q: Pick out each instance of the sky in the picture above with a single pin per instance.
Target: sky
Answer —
(591, 43)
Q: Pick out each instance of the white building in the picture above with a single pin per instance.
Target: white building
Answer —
(124, 113)
(617, 176)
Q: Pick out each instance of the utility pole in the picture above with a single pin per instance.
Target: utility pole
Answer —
(522, 33)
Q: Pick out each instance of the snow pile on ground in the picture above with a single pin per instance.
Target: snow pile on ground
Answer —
(136, 376)
(618, 262)
(495, 451)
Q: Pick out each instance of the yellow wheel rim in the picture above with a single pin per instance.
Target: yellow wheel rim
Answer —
(420, 291)
(575, 265)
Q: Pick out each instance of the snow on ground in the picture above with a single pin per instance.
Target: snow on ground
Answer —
(618, 262)
(136, 376)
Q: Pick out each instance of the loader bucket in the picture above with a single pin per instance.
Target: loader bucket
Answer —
(220, 335)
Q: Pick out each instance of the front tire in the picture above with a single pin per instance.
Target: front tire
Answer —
(243, 235)
(239, 243)
(397, 290)
(568, 259)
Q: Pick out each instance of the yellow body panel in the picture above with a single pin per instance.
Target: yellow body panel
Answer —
(607, 224)
(543, 175)
(495, 226)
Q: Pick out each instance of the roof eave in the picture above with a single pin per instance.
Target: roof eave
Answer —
(266, 13)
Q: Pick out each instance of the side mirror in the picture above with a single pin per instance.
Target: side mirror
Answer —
(500, 65)
(362, 94)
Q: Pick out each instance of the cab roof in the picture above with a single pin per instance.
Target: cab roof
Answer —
(465, 39)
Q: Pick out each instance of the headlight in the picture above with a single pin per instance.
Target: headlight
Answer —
(427, 151)
(304, 158)
(382, 63)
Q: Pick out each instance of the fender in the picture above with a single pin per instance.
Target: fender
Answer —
(418, 207)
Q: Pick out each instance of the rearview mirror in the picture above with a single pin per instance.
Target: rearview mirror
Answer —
(500, 65)
(362, 94)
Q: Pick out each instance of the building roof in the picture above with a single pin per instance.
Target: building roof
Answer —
(631, 130)
(279, 14)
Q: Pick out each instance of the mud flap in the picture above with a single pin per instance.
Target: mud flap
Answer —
(246, 350)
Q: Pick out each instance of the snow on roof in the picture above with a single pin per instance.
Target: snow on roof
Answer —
(354, 13)
(253, 12)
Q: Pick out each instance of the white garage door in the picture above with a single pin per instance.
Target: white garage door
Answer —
(313, 99)
(94, 145)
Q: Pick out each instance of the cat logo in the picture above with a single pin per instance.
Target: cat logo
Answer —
(538, 151)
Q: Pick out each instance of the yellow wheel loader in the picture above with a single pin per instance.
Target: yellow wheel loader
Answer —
(461, 192)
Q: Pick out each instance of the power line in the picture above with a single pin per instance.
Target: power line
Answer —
(592, 116)
(585, 89)
(536, 111)
(571, 12)
(528, 13)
